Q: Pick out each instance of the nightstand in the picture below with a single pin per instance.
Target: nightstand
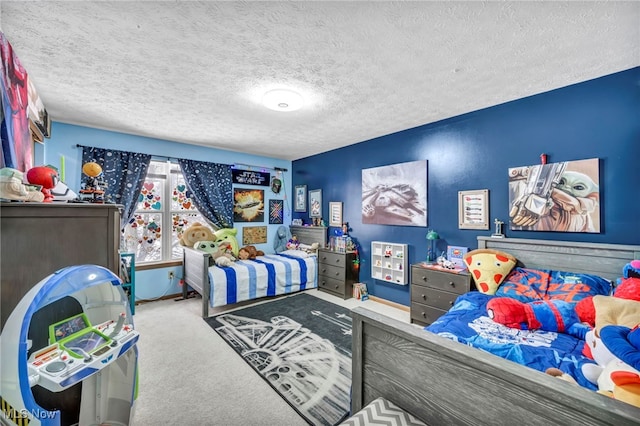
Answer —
(336, 273)
(433, 292)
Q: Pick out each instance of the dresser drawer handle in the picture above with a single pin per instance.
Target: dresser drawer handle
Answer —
(424, 297)
(337, 260)
(452, 284)
(450, 302)
(337, 286)
(424, 278)
(424, 314)
(337, 274)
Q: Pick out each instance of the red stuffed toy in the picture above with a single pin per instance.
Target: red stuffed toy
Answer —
(628, 288)
(549, 315)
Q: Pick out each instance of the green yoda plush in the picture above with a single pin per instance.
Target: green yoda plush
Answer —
(219, 256)
(227, 237)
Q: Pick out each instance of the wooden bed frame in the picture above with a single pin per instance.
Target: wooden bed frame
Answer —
(195, 265)
(444, 382)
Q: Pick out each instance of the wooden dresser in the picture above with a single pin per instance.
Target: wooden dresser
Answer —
(37, 239)
(433, 292)
(336, 273)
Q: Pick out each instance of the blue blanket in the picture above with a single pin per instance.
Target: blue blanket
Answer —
(268, 275)
(467, 322)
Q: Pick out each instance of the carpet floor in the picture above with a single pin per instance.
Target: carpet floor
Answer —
(301, 346)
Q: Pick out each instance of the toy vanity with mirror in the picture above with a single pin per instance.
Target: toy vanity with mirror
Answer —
(69, 352)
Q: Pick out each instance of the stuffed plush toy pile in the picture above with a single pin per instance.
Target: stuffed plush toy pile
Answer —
(219, 256)
(618, 309)
(617, 353)
(489, 268)
(196, 232)
(249, 252)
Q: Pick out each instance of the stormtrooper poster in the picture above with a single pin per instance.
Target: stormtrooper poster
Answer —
(396, 194)
(560, 197)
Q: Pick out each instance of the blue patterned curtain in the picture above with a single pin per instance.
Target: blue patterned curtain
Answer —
(210, 187)
(124, 173)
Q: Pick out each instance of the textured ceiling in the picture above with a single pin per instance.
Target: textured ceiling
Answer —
(195, 71)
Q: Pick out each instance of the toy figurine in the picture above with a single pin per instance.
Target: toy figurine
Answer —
(498, 233)
(46, 177)
(94, 186)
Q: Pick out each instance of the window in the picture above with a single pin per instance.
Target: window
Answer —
(164, 204)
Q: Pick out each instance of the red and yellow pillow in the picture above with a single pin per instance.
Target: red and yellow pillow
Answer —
(489, 268)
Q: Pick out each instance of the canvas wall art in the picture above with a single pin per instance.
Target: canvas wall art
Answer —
(560, 197)
(248, 205)
(395, 194)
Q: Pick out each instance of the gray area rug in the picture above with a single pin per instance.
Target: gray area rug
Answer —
(301, 345)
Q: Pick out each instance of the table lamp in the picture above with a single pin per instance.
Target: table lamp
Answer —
(432, 238)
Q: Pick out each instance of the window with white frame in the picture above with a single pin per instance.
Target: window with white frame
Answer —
(164, 204)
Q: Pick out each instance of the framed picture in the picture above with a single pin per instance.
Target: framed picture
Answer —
(276, 209)
(300, 198)
(473, 209)
(315, 203)
(335, 213)
(254, 235)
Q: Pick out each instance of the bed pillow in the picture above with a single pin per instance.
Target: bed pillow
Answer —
(528, 285)
(489, 268)
(295, 253)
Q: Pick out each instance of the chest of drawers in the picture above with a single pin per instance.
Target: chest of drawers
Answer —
(336, 273)
(433, 292)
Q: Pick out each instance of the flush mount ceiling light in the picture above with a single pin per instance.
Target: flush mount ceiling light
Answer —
(282, 100)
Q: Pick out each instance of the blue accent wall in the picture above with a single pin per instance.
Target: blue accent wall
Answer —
(595, 119)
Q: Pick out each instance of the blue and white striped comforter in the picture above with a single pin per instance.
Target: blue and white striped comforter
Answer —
(268, 275)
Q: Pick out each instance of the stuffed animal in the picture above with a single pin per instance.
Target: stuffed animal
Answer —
(196, 232)
(549, 315)
(219, 256)
(293, 243)
(12, 187)
(489, 268)
(228, 237)
(628, 288)
(617, 354)
(249, 252)
(281, 238)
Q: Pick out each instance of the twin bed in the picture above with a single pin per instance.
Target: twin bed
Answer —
(266, 276)
(440, 381)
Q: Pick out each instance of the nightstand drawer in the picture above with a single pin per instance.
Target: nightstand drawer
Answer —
(447, 281)
(330, 271)
(424, 314)
(329, 258)
(332, 285)
(432, 297)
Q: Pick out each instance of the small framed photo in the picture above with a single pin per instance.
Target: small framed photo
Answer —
(300, 198)
(315, 203)
(335, 213)
(473, 209)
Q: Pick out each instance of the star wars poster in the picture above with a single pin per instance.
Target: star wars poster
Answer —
(248, 205)
(396, 194)
(560, 197)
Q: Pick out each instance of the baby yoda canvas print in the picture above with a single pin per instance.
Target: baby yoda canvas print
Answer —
(561, 197)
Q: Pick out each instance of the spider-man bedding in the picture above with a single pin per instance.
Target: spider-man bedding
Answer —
(468, 321)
